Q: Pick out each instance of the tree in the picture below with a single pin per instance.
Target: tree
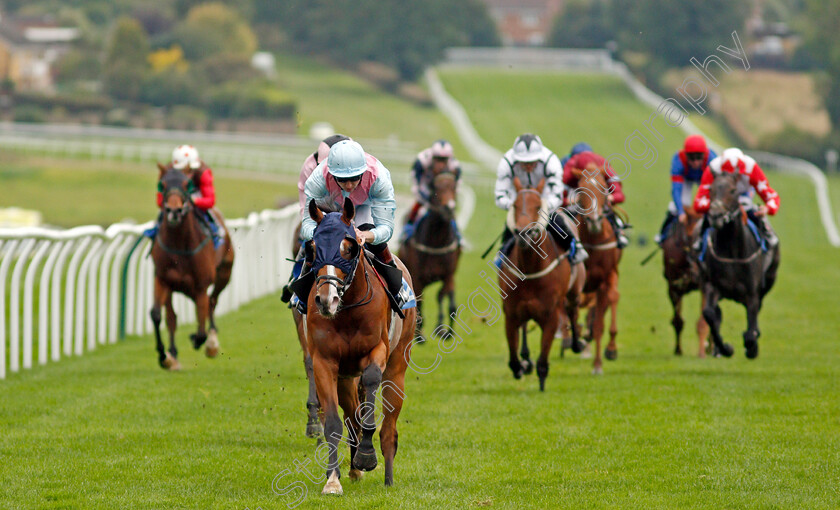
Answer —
(125, 60)
(582, 25)
(214, 28)
(823, 18)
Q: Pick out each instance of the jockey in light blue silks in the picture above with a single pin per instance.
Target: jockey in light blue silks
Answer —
(349, 172)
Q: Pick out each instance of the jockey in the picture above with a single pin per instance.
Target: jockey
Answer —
(185, 158)
(350, 172)
(687, 168)
(430, 162)
(579, 158)
(751, 177)
(531, 162)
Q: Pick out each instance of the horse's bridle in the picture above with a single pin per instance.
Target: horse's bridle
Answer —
(184, 210)
(342, 284)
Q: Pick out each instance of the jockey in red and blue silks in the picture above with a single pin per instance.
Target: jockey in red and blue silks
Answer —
(440, 157)
(687, 168)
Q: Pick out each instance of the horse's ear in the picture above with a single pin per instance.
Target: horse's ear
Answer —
(517, 184)
(162, 169)
(349, 211)
(541, 185)
(314, 212)
(577, 172)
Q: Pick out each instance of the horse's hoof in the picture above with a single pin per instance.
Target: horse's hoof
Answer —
(170, 363)
(198, 340)
(727, 350)
(611, 354)
(577, 346)
(516, 368)
(586, 353)
(527, 366)
(356, 475)
(542, 383)
(752, 349)
(597, 371)
(211, 348)
(314, 429)
(333, 486)
(365, 461)
(678, 351)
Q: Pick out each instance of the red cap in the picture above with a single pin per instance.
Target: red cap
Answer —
(695, 143)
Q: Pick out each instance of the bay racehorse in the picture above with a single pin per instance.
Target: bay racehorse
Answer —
(431, 254)
(533, 281)
(600, 240)
(357, 343)
(313, 423)
(187, 262)
(683, 276)
(735, 266)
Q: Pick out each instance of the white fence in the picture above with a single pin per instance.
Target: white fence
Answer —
(71, 291)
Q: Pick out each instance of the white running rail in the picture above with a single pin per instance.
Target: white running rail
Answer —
(73, 290)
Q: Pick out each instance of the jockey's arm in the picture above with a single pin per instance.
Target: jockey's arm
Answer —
(159, 198)
(759, 181)
(383, 206)
(315, 189)
(553, 191)
(677, 182)
(305, 172)
(505, 190)
(208, 193)
(701, 200)
(618, 191)
(569, 178)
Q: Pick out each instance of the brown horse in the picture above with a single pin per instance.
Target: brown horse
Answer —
(313, 423)
(534, 282)
(357, 343)
(599, 239)
(431, 254)
(186, 262)
(683, 276)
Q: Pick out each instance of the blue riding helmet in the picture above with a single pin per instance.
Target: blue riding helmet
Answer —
(580, 147)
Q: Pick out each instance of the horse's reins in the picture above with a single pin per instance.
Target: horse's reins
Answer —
(189, 204)
(603, 246)
(746, 260)
(542, 223)
(342, 285)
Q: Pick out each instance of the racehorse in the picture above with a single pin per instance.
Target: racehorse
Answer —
(431, 254)
(357, 343)
(186, 262)
(534, 283)
(600, 240)
(683, 276)
(735, 265)
(313, 423)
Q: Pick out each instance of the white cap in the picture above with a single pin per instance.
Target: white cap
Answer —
(527, 147)
(185, 155)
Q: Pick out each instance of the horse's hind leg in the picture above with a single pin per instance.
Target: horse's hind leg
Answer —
(202, 308)
(222, 278)
(711, 312)
(161, 293)
(753, 305)
(171, 325)
(677, 320)
(393, 394)
(527, 365)
(313, 423)
(598, 329)
(704, 347)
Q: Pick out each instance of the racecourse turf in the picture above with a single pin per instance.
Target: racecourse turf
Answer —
(110, 429)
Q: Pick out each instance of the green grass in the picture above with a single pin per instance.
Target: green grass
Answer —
(72, 192)
(656, 431)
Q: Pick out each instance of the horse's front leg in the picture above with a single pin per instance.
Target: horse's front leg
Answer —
(711, 312)
(202, 309)
(161, 294)
(600, 311)
(313, 423)
(613, 296)
(348, 399)
(752, 333)
(365, 457)
(512, 333)
(326, 381)
(677, 320)
(704, 347)
(549, 328)
(171, 325)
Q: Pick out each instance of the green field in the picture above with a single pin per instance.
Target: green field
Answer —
(655, 431)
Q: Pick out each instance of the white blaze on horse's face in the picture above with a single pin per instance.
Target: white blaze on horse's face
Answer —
(330, 304)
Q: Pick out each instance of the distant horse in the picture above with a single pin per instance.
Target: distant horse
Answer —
(432, 253)
(186, 262)
(356, 342)
(601, 241)
(736, 267)
(683, 276)
(535, 282)
(313, 423)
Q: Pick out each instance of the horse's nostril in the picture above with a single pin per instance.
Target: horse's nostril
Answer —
(317, 299)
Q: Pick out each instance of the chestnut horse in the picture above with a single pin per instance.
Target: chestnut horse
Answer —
(736, 266)
(683, 276)
(187, 262)
(533, 281)
(357, 343)
(431, 254)
(313, 423)
(599, 239)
